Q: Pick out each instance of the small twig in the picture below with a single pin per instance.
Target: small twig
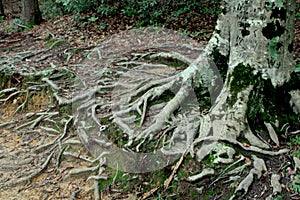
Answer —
(263, 140)
(168, 181)
(148, 194)
(57, 141)
(75, 155)
(94, 114)
(43, 147)
(86, 95)
(116, 175)
(51, 84)
(97, 177)
(21, 25)
(294, 132)
(172, 55)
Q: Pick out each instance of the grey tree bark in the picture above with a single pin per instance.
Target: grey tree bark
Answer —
(257, 39)
(31, 13)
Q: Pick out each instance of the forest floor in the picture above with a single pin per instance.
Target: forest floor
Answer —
(48, 42)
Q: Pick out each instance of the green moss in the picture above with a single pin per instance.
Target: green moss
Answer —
(274, 47)
(105, 120)
(279, 3)
(241, 78)
(78, 50)
(209, 194)
(221, 62)
(54, 42)
(49, 41)
(3, 80)
(173, 63)
(269, 104)
(165, 97)
(208, 161)
(115, 135)
(182, 174)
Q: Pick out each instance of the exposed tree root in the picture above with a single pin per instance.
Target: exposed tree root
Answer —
(31, 176)
(135, 96)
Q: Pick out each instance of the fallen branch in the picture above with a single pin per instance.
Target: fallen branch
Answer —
(175, 168)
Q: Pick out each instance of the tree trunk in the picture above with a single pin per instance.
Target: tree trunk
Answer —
(1, 9)
(30, 12)
(256, 38)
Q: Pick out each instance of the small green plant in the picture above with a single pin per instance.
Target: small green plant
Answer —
(209, 160)
(17, 21)
(187, 7)
(115, 176)
(297, 70)
(102, 26)
(298, 16)
(107, 9)
(184, 32)
(129, 10)
(78, 6)
(92, 19)
(51, 9)
(296, 142)
(128, 27)
(1, 19)
(17, 25)
(296, 184)
(204, 33)
(278, 197)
